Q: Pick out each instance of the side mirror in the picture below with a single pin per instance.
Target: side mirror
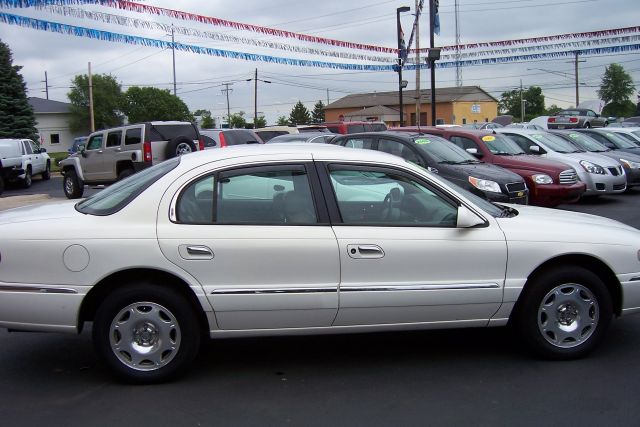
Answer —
(474, 151)
(535, 149)
(468, 219)
(81, 149)
(42, 150)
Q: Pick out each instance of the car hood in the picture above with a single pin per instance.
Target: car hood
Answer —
(40, 212)
(596, 158)
(531, 162)
(485, 171)
(556, 225)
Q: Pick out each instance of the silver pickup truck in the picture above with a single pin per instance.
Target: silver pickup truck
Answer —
(20, 159)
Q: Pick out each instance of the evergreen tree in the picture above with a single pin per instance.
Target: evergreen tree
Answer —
(299, 115)
(16, 115)
(282, 121)
(616, 90)
(317, 116)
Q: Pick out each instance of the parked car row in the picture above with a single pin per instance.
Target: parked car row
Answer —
(20, 160)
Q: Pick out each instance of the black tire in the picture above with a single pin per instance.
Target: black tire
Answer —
(72, 185)
(1, 185)
(125, 173)
(179, 146)
(563, 313)
(28, 178)
(164, 325)
(587, 125)
(46, 175)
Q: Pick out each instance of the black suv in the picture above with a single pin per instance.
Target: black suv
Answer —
(440, 156)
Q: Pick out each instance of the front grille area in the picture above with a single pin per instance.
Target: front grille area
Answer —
(568, 177)
(615, 171)
(516, 186)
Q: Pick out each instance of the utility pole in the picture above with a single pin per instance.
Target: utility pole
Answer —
(418, 10)
(327, 96)
(521, 104)
(173, 54)
(46, 85)
(93, 124)
(432, 24)
(577, 84)
(255, 97)
(227, 90)
(458, 68)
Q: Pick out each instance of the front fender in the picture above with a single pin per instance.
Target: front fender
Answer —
(71, 163)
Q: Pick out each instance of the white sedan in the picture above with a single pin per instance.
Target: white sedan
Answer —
(313, 239)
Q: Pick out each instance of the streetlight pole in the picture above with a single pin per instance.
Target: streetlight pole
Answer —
(432, 57)
(255, 97)
(400, 54)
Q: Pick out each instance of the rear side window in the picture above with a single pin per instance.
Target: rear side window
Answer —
(114, 139)
(209, 142)
(366, 143)
(133, 136)
(355, 128)
(266, 135)
(167, 132)
(333, 128)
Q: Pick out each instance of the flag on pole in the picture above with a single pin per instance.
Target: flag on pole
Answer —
(436, 19)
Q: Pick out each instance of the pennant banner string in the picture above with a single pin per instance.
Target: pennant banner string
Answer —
(42, 25)
(176, 14)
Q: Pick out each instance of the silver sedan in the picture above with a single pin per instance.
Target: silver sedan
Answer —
(305, 239)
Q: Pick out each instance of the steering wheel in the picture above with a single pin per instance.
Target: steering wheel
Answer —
(391, 205)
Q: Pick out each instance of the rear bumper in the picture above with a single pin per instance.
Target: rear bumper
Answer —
(563, 125)
(555, 194)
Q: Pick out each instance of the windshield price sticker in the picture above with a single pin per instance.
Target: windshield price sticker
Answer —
(423, 141)
(488, 138)
(573, 135)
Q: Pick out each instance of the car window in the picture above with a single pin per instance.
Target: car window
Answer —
(35, 148)
(463, 142)
(208, 141)
(333, 128)
(591, 113)
(384, 197)
(522, 142)
(166, 132)
(195, 205)
(117, 196)
(442, 151)
(399, 149)
(114, 139)
(584, 141)
(265, 196)
(239, 137)
(502, 145)
(555, 143)
(95, 142)
(619, 141)
(366, 143)
(627, 137)
(26, 147)
(133, 136)
(355, 128)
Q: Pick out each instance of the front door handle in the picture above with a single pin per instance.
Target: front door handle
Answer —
(365, 251)
(195, 252)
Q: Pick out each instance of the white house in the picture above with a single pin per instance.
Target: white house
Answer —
(52, 123)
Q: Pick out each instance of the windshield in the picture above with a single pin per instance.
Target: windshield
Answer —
(120, 194)
(636, 133)
(491, 208)
(555, 143)
(619, 141)
(569, 113)
(585, 142)
(442, 150)
(502, 145)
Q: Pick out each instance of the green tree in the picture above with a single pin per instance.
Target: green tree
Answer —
(144, 104)
(317, 115)
(16, 115)
(534, 106)
(615, 109)
(299, 115)
(207, 121)
(552, 110)
(237, 120)
(261, 122)
(282, 121)
(616, 89)
(108, 101)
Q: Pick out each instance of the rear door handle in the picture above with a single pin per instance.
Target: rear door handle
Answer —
(365, 251)
(195, 252)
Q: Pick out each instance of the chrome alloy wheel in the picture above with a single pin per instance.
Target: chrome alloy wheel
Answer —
(145, 336)
(183, 148)
(69, 185)
(568, 315)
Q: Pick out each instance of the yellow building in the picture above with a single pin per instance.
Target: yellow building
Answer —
(454, 105)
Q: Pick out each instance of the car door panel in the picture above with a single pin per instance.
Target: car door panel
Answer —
(259, 276)
(428, 273)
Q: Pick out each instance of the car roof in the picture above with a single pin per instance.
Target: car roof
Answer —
(520, 131)
(286, 151)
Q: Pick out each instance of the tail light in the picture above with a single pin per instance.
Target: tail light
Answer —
(146, 151)
(573, 120)
(223, 141)
(551, 120)
(200, 143)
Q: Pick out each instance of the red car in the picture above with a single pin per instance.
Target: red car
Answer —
(550, 182)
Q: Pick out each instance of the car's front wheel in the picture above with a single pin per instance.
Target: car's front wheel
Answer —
(28, 178)
(73, 187)
(146, 334)
(46, 175)
(563, 313)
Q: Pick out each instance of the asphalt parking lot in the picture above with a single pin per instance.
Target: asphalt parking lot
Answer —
(454, 377)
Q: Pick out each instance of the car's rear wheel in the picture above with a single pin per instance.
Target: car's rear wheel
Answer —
(146, 333)
(563, 313)
(73, 187)
(587, 125)
(180, 146)
(46, 175)
(28, 178)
